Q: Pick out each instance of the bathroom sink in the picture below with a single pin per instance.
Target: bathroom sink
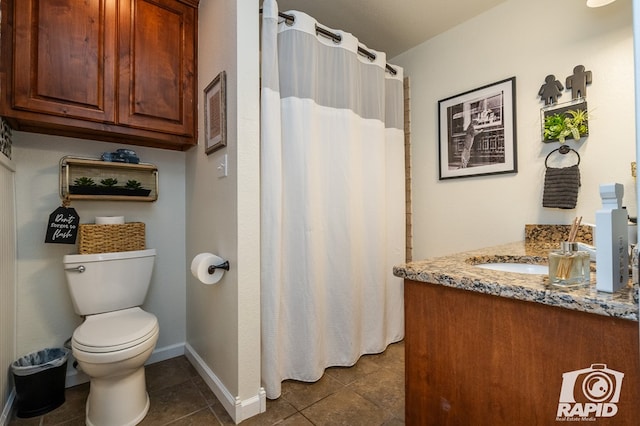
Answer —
(519, 268)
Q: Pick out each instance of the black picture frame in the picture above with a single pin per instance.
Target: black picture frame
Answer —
(477, 131)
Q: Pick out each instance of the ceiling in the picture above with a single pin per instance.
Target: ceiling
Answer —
(391, 26)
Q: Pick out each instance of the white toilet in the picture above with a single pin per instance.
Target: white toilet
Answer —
(117, 336)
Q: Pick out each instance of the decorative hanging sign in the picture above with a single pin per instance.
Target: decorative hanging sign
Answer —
(62, 227)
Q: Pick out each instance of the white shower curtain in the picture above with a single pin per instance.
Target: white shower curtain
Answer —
(333, 205)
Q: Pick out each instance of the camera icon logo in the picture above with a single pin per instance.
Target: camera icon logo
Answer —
(593, 391)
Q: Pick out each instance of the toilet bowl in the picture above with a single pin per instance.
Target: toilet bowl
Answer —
(112, 348)
(117, 337)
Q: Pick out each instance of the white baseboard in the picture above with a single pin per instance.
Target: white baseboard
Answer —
(77, 377)
(238, 409)
(165, 353)
(5, 417)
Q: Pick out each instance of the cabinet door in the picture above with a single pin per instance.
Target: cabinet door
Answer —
(64, 52)
(157, 61)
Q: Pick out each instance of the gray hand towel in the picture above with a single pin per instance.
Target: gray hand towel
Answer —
(561, 187)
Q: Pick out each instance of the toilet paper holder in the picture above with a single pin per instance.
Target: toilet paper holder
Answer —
(224, 265)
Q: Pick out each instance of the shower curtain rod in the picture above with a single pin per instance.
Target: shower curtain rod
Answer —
(337, 38)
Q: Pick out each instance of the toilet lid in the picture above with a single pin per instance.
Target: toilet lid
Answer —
(113, 331)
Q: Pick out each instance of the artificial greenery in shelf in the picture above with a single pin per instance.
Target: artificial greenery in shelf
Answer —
(570, 123)
(133, 184)
(109, 182)
(84, 181)
(108, 186)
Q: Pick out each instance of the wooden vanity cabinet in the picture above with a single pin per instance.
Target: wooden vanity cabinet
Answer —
(113, 70)
(479, 359)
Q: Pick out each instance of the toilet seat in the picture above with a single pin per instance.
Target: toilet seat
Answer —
(115, 331)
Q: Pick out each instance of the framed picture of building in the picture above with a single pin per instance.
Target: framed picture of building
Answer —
(477, 131)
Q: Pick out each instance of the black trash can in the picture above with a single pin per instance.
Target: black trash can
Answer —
(40, 378)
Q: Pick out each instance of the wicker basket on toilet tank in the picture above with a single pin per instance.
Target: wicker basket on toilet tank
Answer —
(111, 238)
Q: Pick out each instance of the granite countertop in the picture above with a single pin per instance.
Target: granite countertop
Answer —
(458, 271)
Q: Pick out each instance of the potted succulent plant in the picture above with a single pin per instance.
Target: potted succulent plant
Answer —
(83, 185)
(108, 187)
(133, 184)
(109, 182)
(84, 181)
(135, 188)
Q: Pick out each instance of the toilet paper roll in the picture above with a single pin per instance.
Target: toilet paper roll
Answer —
(109, 220)
(200, 268)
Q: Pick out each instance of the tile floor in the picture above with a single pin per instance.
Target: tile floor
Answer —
(369, 393)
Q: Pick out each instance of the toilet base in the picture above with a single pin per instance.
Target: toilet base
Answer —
(120, 400)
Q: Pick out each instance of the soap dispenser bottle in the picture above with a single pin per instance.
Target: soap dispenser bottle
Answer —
(612, 243)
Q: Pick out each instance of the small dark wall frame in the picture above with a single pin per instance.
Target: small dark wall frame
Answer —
(215, 114)
(477, 131)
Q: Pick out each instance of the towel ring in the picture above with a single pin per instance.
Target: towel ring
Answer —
(563, 150)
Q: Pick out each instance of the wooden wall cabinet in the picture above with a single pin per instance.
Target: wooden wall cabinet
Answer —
(115, 70)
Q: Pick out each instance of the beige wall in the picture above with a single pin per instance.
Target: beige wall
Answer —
(223, 320)
(528, 40)
(45, 316)
(7, 280)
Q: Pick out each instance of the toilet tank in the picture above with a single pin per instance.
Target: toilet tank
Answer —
(106, 282)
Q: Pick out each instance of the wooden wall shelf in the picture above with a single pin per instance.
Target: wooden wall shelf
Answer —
(72, 168)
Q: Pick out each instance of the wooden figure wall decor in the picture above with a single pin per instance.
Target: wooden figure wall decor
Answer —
(550, 90)
(568, 120)
(578, 82)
